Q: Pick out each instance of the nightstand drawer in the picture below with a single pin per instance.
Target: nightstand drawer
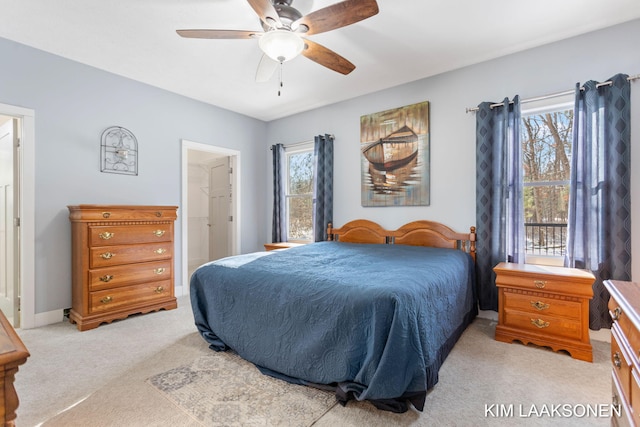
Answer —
(540, 324)
(537, 303)
(545, 284)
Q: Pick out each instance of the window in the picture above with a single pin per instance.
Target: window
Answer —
(546, 137)
(299, 193)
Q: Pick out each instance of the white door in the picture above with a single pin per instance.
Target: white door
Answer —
(9, 283)
(219, 208)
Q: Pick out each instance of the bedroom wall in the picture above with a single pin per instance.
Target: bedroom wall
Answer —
(73, 104)
(548, 69)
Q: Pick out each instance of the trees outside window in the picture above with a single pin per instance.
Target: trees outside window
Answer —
(299, 195)
(546, 138)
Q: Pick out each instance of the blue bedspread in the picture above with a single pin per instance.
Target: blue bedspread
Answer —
(374, 321)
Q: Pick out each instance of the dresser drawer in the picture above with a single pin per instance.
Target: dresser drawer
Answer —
(105, 235)
(111, 277)
(619, 316)
(126, 254)
(541, 324)
(635, 395)
(621, 406)
(121, 213)
(620, 361)
(537, 303)
(114, 299)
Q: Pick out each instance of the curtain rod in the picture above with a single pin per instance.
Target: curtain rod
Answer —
(295, 144)
(552, 95)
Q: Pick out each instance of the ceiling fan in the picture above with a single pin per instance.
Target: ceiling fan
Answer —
(283, 27)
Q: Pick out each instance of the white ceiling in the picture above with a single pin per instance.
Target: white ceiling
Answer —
(408, 40)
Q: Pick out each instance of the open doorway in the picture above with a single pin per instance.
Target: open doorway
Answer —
(9, 214)
(210, 205)
(17, 219)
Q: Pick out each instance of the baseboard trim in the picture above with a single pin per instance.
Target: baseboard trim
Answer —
(48, 318)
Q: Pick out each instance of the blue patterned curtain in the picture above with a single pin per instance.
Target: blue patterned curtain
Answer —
(279, 226)
(499, 202)
(599, 226)
(323, 186)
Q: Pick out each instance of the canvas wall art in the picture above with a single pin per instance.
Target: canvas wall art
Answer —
(394, 146)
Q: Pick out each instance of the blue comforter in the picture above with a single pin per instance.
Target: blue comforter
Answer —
(374, 321)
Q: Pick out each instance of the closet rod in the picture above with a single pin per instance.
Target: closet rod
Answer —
(295, 144)
(552, 95)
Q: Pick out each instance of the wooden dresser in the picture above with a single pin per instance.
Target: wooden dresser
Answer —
(13, 353)
(122, 262)
(624, 308)
(546, 306)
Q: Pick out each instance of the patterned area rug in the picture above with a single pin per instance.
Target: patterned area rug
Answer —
(222, 389)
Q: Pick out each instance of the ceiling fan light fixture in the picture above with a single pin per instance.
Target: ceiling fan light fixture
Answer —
(281, 45)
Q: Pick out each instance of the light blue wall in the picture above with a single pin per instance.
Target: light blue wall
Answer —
(73, 104)
(549, 69)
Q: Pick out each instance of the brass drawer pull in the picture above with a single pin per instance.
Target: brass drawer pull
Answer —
(616, 313)
(539, 305)
(158, 233)
(160, 251)
(106, 214)
(106, 300)
(159, 290)
(540, 323)
(106, 235)
(158, 214)
(540, 283)
(616, 360)
(158, 270)
(106, 278)
(107, 255)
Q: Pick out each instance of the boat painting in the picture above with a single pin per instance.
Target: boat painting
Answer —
(395, 157)
(393, 151)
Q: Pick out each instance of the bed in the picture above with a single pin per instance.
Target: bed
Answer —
(370, 314)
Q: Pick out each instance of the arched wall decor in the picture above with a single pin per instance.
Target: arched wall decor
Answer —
(118, 151)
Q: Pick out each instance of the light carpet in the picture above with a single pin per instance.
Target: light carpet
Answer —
(222, 389)
(478, 373)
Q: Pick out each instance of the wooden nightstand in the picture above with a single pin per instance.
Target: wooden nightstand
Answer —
(546, 306)
(281, 245)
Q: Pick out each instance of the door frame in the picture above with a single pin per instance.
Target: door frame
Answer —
(26, 271)
(235, 240)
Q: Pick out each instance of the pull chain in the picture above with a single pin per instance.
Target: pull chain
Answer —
(280, 76)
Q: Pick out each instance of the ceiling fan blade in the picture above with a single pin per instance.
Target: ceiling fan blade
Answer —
(266, 68)
(327, 57)
(267, 12)
(336, 16)
(219, 34)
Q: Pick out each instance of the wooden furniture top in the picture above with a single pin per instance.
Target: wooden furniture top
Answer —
(416, 233)
(281, 245)
(12, 349)
(544, 270)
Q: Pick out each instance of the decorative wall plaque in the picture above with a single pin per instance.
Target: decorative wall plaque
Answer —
(118, 151)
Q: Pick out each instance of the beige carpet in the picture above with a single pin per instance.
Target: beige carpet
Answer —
(479, 372)
(222, 389)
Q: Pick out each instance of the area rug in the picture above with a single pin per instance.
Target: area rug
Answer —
(222, 389)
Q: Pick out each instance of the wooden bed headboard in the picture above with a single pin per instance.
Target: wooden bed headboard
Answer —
(416, 233)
